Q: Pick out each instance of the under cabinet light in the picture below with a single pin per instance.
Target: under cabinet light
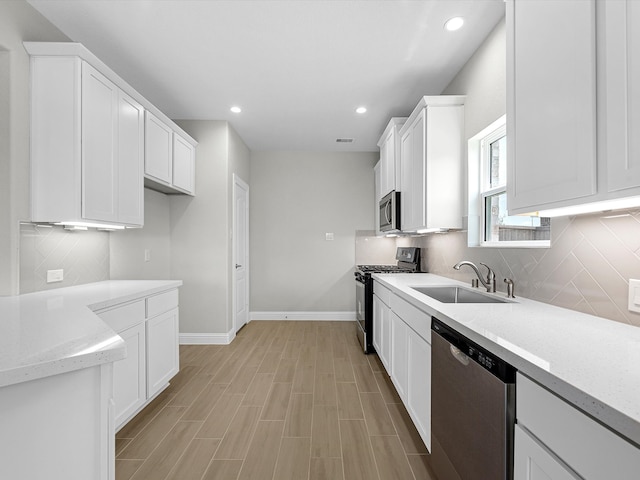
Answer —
(85, 225)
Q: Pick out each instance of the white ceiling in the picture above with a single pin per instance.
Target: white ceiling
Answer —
(298, 68)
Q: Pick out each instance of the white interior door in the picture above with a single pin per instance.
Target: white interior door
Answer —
(240, 253)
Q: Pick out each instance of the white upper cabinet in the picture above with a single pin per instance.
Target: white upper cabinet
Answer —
(389, 144)
(184, 163)
(621, 21)
(431, 181)
(551, 103)
(86, 146)
(170, 158)
(131, 154)
(158, 143)
(572, 107)
(99, 146)
(89, 132)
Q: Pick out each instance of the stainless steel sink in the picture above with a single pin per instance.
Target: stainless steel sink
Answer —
(458, 295)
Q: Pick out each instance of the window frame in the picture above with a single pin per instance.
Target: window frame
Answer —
(479, 189)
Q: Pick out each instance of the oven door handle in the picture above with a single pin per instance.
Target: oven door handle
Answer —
(387, 212)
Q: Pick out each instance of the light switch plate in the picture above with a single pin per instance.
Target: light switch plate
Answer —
(634, 295)
(55, 275)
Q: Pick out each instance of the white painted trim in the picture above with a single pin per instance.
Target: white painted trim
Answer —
(207, 338)
(321, 316)
(239, 183)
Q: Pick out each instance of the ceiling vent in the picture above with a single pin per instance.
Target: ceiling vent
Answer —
(344, 140)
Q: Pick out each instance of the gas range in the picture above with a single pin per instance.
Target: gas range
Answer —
(408, 262)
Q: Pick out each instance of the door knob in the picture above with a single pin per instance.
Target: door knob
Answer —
(238, 265)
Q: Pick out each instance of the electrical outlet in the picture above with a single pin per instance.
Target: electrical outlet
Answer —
(147, 255)
(55, 275)
(328, 236)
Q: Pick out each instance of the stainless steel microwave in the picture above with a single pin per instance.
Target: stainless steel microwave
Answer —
(390, 212)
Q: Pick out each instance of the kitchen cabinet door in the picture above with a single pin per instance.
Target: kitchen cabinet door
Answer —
(419, 384)
(99, 140)
(551, 104)
(130, 148)
(377, 324)
(621, 77)
(158, 154)
(129, 375)
(381, 331)
(431, 165)
(387, 170)
(399, 355)
(162, 350)
(184, 158)
(413, 174)
(376, 203)
(534, 462)
(389, 144)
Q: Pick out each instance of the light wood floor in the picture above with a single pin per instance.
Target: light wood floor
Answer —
(286, 400)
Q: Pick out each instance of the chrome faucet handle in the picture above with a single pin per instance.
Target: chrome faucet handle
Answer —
(491, 279)
(510, 286)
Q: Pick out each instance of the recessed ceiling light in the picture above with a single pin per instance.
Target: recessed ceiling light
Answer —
(361, 110)
(454, 24)
(235, 109)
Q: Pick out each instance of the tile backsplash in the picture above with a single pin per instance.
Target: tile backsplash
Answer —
(84, 256)
(373, 250)
(587, 268)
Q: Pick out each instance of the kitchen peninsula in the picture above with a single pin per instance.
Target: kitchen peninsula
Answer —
(56, 378)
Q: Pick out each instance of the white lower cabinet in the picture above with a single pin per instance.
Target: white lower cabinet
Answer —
(419, 384)
(409, 361)
(399, 355)
(381, 324)
(129, 387)
(162, 350)
(533, 462)
(149, 327)
(556, 441)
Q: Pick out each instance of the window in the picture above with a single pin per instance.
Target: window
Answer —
(490, 224)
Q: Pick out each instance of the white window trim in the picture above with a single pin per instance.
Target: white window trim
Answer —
(476, 194)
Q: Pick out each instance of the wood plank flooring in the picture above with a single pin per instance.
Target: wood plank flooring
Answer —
(285, 401)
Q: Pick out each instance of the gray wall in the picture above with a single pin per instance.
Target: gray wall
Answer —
(127, 247)
(200, 229)
(297, 197)
(591, 257)
(18, 22)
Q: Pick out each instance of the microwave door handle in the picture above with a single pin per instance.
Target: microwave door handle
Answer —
(387, 212)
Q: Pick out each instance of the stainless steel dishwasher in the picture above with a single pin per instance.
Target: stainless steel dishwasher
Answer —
(472, 409)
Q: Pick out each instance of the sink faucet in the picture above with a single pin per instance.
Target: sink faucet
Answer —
(489, 283)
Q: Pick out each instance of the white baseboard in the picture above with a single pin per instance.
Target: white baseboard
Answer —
(207, 338)
(321, 316)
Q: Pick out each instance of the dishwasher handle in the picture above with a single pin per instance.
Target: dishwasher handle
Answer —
(458, 355)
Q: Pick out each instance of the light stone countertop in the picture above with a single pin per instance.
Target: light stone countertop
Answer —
(55, 331)
(591, 362)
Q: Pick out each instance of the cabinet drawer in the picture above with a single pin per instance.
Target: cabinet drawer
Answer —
(416, 319)
(593, 451)
(162, 303)
(121, 318)
(383, 293)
